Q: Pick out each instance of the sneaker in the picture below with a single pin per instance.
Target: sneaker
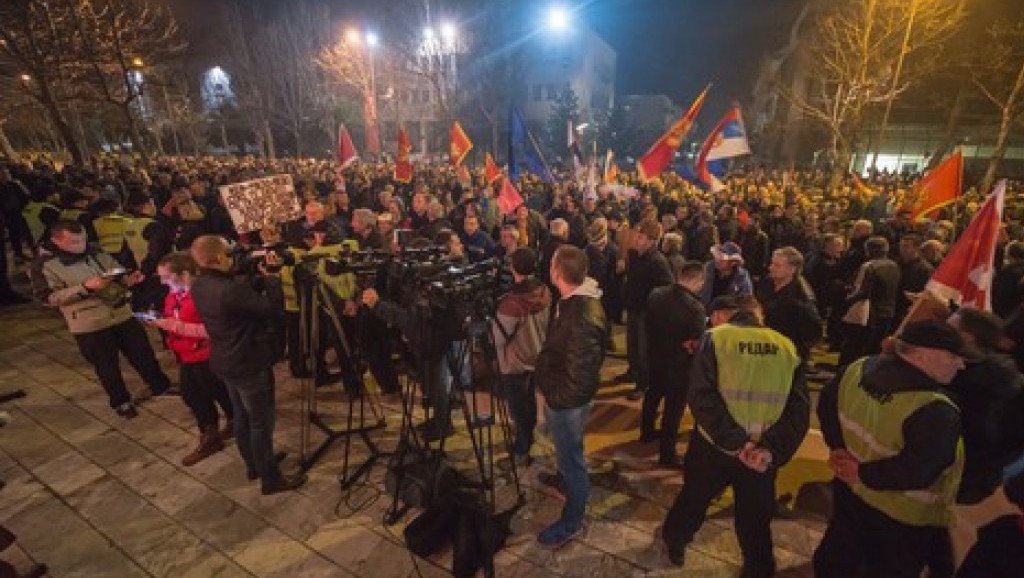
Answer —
(553, 481)
(558, 535)
(635, 395)
(127, 410)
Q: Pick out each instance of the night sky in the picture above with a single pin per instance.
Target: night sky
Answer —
(670, 47)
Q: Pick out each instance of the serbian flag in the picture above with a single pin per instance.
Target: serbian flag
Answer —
(727, 140)
(490, 169)
(965, 275)
(347, 153)
(458, 144)
(940, 187)
(659, 156)
(509, 198)
(403, 168)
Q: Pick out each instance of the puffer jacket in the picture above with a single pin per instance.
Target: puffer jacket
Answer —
(569, 365)
(58, 279)
(521, 325)
(187, 338)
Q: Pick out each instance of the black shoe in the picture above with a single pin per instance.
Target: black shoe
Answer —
(326, 379)
(628, 377)
(553, 481)
(170, 390)
(435, 433)
(278, 457)
(283, 484)
(635, 395)
(650, 436)
(676, 554)
(758, 572)
(127, 410)
(429, 424)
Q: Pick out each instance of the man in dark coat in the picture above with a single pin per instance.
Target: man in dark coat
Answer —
(788, 301)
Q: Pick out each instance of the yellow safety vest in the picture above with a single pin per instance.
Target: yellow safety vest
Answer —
(71, 214)
(291, 297)
(110, 232)
(33, 218)
(755, 375)
(873, 430)
(133, 235)
(344, 285)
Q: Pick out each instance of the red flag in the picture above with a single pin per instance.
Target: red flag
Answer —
(403, 168)
(491, 170)
(941, 186)
(661, 152)
(458, 144)
(965, 275)
(509, 198)
(463, 174)
(347, 153)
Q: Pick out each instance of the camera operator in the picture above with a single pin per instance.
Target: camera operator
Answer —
(240, 323)
(96, 304)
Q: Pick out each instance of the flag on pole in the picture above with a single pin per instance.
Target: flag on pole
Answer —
(727, 140)
(509, 198)
(459, 144)
(491, 170)
(859, 185)
(659, 156)
(611, 170)
(523, 153)
(403, 167)
(463, 174)
(940, 187)
(965, 275)
(347, 153)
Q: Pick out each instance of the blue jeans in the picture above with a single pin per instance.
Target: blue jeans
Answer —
(253, 400)
(522, 408)
(456, 354)
(566, 429)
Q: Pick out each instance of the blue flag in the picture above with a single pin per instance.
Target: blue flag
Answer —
(523, 153)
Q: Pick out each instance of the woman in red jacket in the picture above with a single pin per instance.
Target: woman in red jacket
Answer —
(186, 336)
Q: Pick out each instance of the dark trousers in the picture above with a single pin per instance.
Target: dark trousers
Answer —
(860, 341)
(636, 347)
(17, 230)
(252, 397)
(672, 387)
(707, 472)
(100, 348)
(296, 362)
(375, 344)
(861, 541)
(5, 281)
(521, 397)
(202, 392)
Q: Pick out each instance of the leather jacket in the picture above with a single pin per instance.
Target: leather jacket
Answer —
(569, 365)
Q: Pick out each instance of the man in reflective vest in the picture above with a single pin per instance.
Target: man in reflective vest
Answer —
(40, 214)
(110, 226)
(750, 404)
(897, 456)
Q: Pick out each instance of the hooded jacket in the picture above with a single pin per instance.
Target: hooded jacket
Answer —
(569, 365)
(58, 279)
(521, 325)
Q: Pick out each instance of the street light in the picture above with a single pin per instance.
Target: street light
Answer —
(448, 31)
(352, 36)
(428, 33)
(371, 39)
(137, 62)
(25, 78)
(558, 18)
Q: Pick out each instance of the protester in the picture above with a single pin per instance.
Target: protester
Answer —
(725, 274)
(875, 290)
(788, 301)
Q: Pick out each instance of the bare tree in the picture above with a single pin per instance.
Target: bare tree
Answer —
(999, 76)
(247, 50)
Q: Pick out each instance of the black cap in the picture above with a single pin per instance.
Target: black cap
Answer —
(934, 334)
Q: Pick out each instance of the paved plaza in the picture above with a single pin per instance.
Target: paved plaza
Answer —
(93, 495)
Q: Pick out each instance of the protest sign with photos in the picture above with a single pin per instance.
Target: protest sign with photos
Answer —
(259, 203)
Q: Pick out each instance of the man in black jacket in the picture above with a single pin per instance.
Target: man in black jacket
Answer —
(567, 374)
(788, 301)
(672, 337)
(895, 453)
(237, 319)
(914, 272)
(646, 269)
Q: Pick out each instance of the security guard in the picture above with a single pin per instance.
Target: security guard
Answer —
(750, 404)
(110, 226)
(40, 214)
(147, 240)
(897, 456)
(292, 256)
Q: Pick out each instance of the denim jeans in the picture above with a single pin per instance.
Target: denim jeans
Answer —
(456, 355)
(253, 400)
(521, 397)
(566, 429)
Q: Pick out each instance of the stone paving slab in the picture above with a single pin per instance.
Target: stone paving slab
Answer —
(92, 494)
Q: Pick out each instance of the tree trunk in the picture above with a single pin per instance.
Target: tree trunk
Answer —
(1005, 121)
(949, 136)
(297, 135)
(268, 141)
(65, 131)
(5, 144)
(138, 144)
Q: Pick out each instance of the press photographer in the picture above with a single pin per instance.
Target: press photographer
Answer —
(92, 292)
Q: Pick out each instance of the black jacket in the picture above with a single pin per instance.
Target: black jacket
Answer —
(792, 312)
(644, 273)
(569, 365)
(678, 317)
(881, 285)
(930, 434)
(914, 276)
(240, 322)
(990, 394)
(782, 439)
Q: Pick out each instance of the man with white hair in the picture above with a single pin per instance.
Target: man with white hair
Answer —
(558, 235)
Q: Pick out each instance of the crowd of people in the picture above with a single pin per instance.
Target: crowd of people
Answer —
(725, 298)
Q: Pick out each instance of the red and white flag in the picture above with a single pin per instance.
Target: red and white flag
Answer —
(347, 153)
(965, 275)
(509, 198)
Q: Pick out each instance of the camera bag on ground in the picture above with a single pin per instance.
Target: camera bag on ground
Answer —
(419, 477)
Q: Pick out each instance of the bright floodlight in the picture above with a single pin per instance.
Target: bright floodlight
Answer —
(371, 38)
(448, 31)
(428, 33)
(25, 78)
(558, 18)
(352, 36)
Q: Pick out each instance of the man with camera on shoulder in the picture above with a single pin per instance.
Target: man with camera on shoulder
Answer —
(244, 329)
